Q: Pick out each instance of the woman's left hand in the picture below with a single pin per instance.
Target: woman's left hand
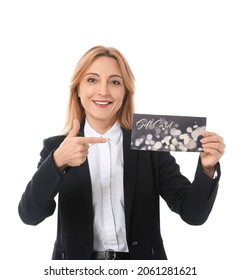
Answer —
(213, 149)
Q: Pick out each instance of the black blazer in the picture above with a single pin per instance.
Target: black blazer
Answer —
(147, 176)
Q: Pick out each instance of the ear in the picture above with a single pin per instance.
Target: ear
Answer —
(125, 96)
(78, 91)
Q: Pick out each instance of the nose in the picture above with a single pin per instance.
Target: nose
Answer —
(103, 90)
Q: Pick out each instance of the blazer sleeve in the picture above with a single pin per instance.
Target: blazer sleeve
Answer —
(193, 201)
(37, 201)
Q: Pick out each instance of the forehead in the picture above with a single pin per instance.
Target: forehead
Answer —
(104, 64)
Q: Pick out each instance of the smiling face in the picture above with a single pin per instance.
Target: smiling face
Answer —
(101, 92)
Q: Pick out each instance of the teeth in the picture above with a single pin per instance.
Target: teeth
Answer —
(101, 103)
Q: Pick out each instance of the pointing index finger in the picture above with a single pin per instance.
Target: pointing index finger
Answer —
(93, 140)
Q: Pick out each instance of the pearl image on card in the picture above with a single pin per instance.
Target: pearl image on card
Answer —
(167, 133)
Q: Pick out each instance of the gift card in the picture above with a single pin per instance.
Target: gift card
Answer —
(167, 133)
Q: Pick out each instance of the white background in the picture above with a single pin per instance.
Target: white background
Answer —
(186, 58)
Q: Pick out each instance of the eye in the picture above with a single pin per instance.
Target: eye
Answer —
(91, 80)
(115, 82)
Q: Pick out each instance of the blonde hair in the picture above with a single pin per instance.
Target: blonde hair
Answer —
(75, 109)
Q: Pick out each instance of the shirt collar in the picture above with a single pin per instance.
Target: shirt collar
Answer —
(113, 134)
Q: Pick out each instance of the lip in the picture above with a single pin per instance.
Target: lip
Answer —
(102, 103)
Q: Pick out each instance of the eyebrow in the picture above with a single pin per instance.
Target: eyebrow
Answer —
(111, 76)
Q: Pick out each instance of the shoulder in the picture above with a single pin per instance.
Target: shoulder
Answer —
(53, 141)
(50, 144)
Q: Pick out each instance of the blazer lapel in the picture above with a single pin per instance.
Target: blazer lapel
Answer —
(130, 169)
(85, 181)
(86, 189)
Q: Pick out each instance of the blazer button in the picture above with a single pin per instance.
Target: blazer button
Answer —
(134, 243)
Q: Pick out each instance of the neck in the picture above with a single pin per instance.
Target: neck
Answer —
(101, 126)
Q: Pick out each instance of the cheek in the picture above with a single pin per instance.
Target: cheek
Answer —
(120, 102)
(85, 91)
(84, 96)
(121, 99)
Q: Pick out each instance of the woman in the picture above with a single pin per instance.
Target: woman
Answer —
(108, 195)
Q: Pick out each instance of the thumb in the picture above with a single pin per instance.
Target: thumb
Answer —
(75, 129)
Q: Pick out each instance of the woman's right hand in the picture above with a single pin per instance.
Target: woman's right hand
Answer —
(74, 149)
